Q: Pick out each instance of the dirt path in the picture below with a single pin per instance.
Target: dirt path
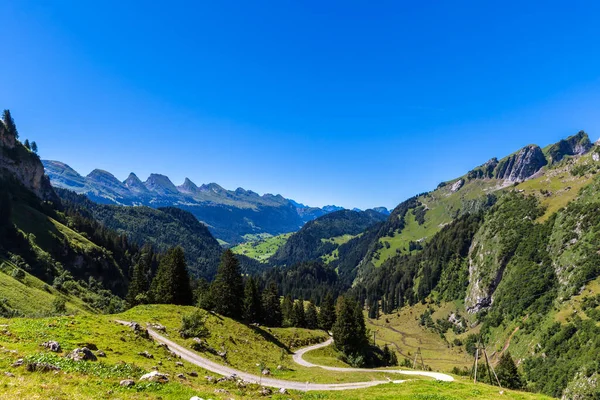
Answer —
(209, 365)
(299, 360)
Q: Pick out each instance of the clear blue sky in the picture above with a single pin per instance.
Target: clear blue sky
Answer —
(358, 104)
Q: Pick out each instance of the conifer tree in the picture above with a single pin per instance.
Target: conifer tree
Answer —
(507, 372)
(34, 147)
(202, 294)
(252, 301)
(9, 124)
(27, 145)
(171, 285)
(349, 331)
(227, 290)
(298, 315)
(271, 306)
(287, 309)
(327, 315)
(312, 317)
(140, 281)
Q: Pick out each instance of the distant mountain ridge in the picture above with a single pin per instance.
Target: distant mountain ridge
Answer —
(229, 214)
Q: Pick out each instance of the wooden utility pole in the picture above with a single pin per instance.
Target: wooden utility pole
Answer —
(417, 354)
(481, 350)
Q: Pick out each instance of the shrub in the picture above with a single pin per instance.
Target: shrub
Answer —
(193, 325)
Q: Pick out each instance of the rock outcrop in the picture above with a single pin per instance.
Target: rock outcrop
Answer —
(16, 161)
(521, 165)
(575, 145)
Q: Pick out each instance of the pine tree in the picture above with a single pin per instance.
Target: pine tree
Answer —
(202, 295)
(298, 315)
(349, 331)
(34, 147)
(140, 281)
(9, 124)
(312, 317)
(227, 290)
(27, 145)
(252, 301)
(507, 372)
(171, 285)
(327, 315)
(271, 306)
(287, 309)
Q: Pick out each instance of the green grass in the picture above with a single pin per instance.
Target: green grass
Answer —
(403, 333)
(327, 356)
(21, 338)
(30, 296)
(442, 207)
(263, 248)
(338, 240)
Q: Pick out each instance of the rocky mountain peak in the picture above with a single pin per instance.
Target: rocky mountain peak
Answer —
(160, 184)
(135, 184)
(188, 186)
(574, 145)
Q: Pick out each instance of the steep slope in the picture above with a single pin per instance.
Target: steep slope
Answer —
(37, 239)
(323, 235)
(416, 220)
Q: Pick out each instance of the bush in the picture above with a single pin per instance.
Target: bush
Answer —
(59, 305)
(193, 325)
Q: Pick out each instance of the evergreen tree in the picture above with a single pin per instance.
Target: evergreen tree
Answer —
(287, 309)
(202, 295)
(27, 145)
(140, 281)
(9, 124)
(327, 315)
(298, 315)
(271, 306)
(227, 290)
(349, 331)
(34, 147)
(312, 317)
(171, 285)
(252, 301)
(507, 372)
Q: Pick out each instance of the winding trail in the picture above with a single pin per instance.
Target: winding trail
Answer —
(220, 369)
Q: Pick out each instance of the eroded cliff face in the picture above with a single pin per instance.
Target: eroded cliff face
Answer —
(521, 165)
(18, 162)
(494, 245)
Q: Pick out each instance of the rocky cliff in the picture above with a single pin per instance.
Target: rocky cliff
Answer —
(521, 165)
(16, 161)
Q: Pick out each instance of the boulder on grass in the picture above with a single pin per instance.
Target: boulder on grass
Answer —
(155, 376)
(82, 354)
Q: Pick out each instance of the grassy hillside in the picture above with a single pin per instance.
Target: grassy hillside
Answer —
(262, 249)
(555, 186)
(21, 338)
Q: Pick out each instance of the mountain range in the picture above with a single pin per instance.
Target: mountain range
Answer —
(231, 216)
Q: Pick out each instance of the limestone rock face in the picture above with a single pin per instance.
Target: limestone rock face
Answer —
(521, 165)
(457, 185)
(19, 163)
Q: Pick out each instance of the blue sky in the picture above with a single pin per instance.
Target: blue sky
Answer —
(358, 104)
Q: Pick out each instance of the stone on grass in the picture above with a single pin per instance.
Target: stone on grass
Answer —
(82, 354)
(100, 353)
(265, 391)
(145, 354)
(52, 346)
(193, 373)
(10, 375)
(127, 383)
(196, 398)
(266, 371)
(283, 391)
(155, 376)
(179, 364)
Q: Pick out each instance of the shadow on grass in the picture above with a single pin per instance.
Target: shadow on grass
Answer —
(269, 337)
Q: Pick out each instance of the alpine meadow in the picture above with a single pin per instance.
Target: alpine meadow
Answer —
(372, 252)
